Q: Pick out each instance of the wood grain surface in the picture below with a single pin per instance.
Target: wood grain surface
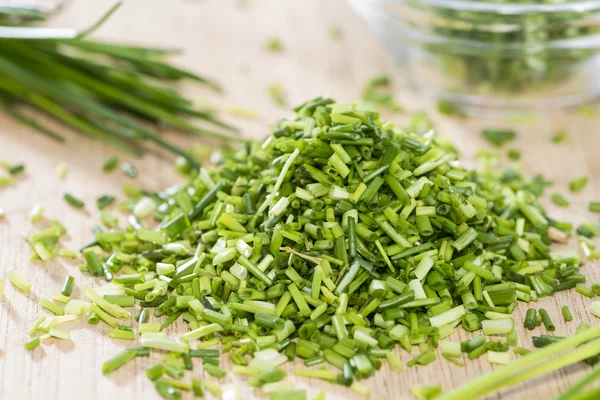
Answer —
(226, 41)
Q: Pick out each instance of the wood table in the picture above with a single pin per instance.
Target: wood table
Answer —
(226, 40)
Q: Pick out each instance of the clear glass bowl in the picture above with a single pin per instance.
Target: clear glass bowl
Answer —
(508, 54)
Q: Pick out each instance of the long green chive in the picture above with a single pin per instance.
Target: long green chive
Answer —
(523, 369)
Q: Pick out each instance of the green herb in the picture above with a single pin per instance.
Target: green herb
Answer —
(449, 108)
(110, 164)
(274, 44)
(559, 200)
(19, 281)
(335, 32)
(74, 201)
(277, 93)
(579, 184)
(104, 201)
(499, 137)
(560, 137)
(16, 169)
(588, 111)
(594, 206)
(566, 313)
(335, 239)
(101, 89)
(61, 170)
(118, 361)
(514, 154)
(546, 320)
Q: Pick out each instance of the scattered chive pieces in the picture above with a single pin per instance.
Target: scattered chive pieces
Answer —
(546, 320)
(104, 201)
(110, 164)
(213, 387)
(559, 200)
(595, 308)
(566, 313)
(560, 137)
(109, 219)
(448, 108)
(61, 170)
(578, 184)
(501, 358)
(144, 208)
(514, 154)
(276, 92)
(16, 169)
(118, 361)
(274, 44)
(32, 344)
(293, 394)
(19, 281)
(74, 201)
(241, 112)
(588, 111)
(335, 32)
(166, 390)
(36, 213)
(499, 137)
(594, 206)
(129, 170)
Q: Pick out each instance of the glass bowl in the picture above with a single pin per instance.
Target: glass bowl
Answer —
(508, 54)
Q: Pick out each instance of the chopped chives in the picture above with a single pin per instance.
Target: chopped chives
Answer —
(118, 361)
(32, 344)
(74, 201)
(499, 137)
(559, 200)
(333, 240)
(578, 184)
(566, 313)
(19, 281)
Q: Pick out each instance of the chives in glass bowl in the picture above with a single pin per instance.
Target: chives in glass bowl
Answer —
(507, 54)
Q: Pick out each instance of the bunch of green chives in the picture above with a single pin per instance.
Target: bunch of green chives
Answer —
(107, 91)
(336, 239)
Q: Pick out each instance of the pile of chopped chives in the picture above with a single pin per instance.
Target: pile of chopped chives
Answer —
(337, 238)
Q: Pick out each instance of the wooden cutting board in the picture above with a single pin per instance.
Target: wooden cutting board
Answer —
(226, 41)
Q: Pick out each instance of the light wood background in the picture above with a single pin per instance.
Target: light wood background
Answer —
(226, 41)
